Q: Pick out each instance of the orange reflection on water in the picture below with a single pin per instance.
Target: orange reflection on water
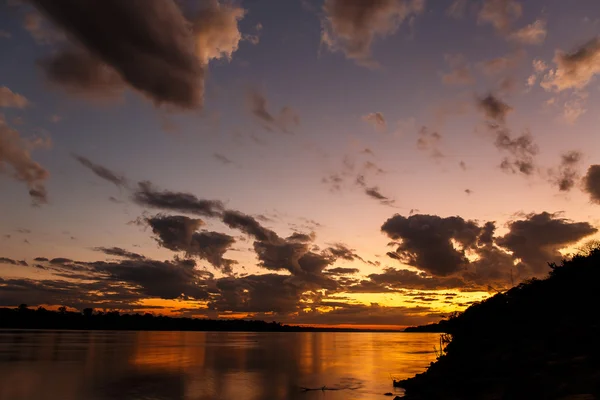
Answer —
(207, 365)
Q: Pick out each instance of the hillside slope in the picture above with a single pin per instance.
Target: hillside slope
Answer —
(539, 340)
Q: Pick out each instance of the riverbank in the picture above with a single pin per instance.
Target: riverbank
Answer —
(539, 340)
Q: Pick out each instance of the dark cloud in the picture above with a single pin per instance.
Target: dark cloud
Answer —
(146, 44)
(179, 233)
(259, 293)
(82, 74)
(249, 225)
(426, 241)
(15, 153)
(284, 121)
(301, 237)
(136, 278)
(279, 254)
(101, 171)
(537, 238)
(148, 196)
(61, 260)
(4, 260)
(468, 191)
(342, 271)
(567, 173)
(373, 192)
(591, 183)
(494, 108)
(352, 26)
(61, 292)
(462, 165)
(118, 252)
(522, 150)
(341, 251)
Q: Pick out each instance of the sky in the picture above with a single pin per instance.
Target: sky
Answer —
(323, 162)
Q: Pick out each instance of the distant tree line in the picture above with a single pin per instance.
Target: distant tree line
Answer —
(24, 317)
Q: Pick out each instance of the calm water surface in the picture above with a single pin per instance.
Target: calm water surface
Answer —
(88, 365)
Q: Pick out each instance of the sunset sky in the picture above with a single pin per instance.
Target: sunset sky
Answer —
(349, 162)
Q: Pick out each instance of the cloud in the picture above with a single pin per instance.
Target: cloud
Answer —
(373, 192)
(494, 108)
(286, 119)
(537, 238)
(180, 233)
(15, 153)
(426, 241)
(457, 9)
(342, 271)
(522, 150)
(10, 99)
(4, 260)
(352, 26)
(101, 171)
(148, 196)
(574, 70)
(533, 34)
(40, 30)
(216, 30)
(259, 293)
(82, 74)
(500, 14)
(146, 44)
(591, 183)
(468, 191)
(499, 65)
(301, 237)
(567, 173)
(295, 256)
(5, 34)
(376, 119)
(461, 71)
(117, 252)
(222, 159)
(429, 142)
(164, 279)
(249, 225)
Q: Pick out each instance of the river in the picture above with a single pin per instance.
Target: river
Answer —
(103, 365)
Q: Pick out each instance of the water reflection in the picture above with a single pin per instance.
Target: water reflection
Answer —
(77, 365)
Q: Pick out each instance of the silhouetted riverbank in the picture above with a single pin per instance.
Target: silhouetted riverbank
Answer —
(23, 317)
(538, 340)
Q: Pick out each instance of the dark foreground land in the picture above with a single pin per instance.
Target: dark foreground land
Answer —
(539, 340)
(89, 319)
